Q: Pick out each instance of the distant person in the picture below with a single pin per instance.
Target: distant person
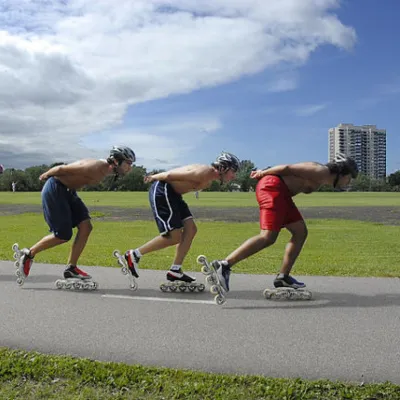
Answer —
(171, 213)
(14, 186)
(275, 189)
(64, 210)
(196, 194)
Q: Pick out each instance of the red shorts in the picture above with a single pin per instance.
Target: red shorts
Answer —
(277, 208)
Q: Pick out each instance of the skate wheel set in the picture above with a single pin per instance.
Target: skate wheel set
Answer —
(212, 280)
(125, 269)
(76, 284)
(182, 287)
(18, 265)
(286, 293)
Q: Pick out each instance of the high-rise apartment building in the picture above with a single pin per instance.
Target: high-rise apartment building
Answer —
(366, 144)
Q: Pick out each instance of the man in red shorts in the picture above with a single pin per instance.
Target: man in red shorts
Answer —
(274, 192)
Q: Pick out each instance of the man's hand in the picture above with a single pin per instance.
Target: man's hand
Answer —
(258, 174)
(149, 179)
(43, 177)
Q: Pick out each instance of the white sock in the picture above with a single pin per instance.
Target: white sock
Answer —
(138, 253)
(175, 267)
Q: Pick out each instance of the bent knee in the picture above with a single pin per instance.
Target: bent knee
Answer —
(268, 237)
(85, 227)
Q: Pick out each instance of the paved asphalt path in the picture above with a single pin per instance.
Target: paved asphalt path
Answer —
(350, 331)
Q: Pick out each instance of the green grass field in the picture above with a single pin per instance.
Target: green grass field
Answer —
(31, 375)
(216, 199)
(334, 247)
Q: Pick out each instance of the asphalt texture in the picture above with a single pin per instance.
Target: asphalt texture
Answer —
(348, 331)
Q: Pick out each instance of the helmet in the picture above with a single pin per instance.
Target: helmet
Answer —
(227, 161)
(346, 165)
(122, 153)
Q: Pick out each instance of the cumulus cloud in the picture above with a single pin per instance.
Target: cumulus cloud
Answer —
(70, 70)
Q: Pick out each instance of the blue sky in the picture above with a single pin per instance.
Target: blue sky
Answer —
(360, 86)
(179, 81)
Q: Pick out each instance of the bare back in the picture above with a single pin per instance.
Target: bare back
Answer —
(84, 172)
(193, 178)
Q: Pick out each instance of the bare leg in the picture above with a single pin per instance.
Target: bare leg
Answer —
(188, 234)
(161, 242)
(253, 246)
(84, 229)
(293, 248)
(46, 243)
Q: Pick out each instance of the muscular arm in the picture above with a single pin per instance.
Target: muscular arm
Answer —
(196, 174)
(306, 170)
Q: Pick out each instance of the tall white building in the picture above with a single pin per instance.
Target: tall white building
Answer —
(366, 144)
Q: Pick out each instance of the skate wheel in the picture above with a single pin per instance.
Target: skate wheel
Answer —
(15, 256)
(219, 300)
(59, 284)
(214, 289)
(68, 286)
(201, 287)
(95, 286)
(172, 288)
(205, 270)
(16, 264)
(116, 253)
(133, 286)
(267, 294)
(192, 288)
(182, 288)
(15, 247)
(163, 288)
(17, 273)
(124, 270)
(77, 285)
(210, 280)
(86, 286)
(201, 259)
(20, 281)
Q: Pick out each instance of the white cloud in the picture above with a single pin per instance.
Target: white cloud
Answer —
(307, 111)
(283, 84)
(69, 70)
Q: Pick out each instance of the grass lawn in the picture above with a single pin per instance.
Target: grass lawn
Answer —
(216, 199)
(35, 376)
(334, 247)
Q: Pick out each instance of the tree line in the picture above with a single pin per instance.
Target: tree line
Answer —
(28, 181)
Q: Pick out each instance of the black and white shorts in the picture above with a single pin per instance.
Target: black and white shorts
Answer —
(169, 208)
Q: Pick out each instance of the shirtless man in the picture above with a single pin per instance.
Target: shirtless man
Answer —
(63, 209)
(171, 213)
(274, 192)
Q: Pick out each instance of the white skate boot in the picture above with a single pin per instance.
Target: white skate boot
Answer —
(22, 264)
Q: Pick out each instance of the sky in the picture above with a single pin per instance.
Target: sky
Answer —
(180, 81)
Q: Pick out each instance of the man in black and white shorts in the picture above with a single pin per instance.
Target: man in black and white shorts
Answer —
(171, 213)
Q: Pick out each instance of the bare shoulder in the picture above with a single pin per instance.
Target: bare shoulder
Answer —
(310, 165)
(88, 163)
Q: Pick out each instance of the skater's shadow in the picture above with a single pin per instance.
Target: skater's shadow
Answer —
(156, 292)
(320, 300)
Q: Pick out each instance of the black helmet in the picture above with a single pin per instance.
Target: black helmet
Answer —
(346, 165)
(227, 161)
(122, 153)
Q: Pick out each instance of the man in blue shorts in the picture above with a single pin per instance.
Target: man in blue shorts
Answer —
(64, 210)
(171, 213)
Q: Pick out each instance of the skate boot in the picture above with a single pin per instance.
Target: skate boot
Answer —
(282, 280)
(287, 288)
(22, 264)
(213, 278)
(129, 266)
(179, 280)
(223, 271)
(75, 278)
